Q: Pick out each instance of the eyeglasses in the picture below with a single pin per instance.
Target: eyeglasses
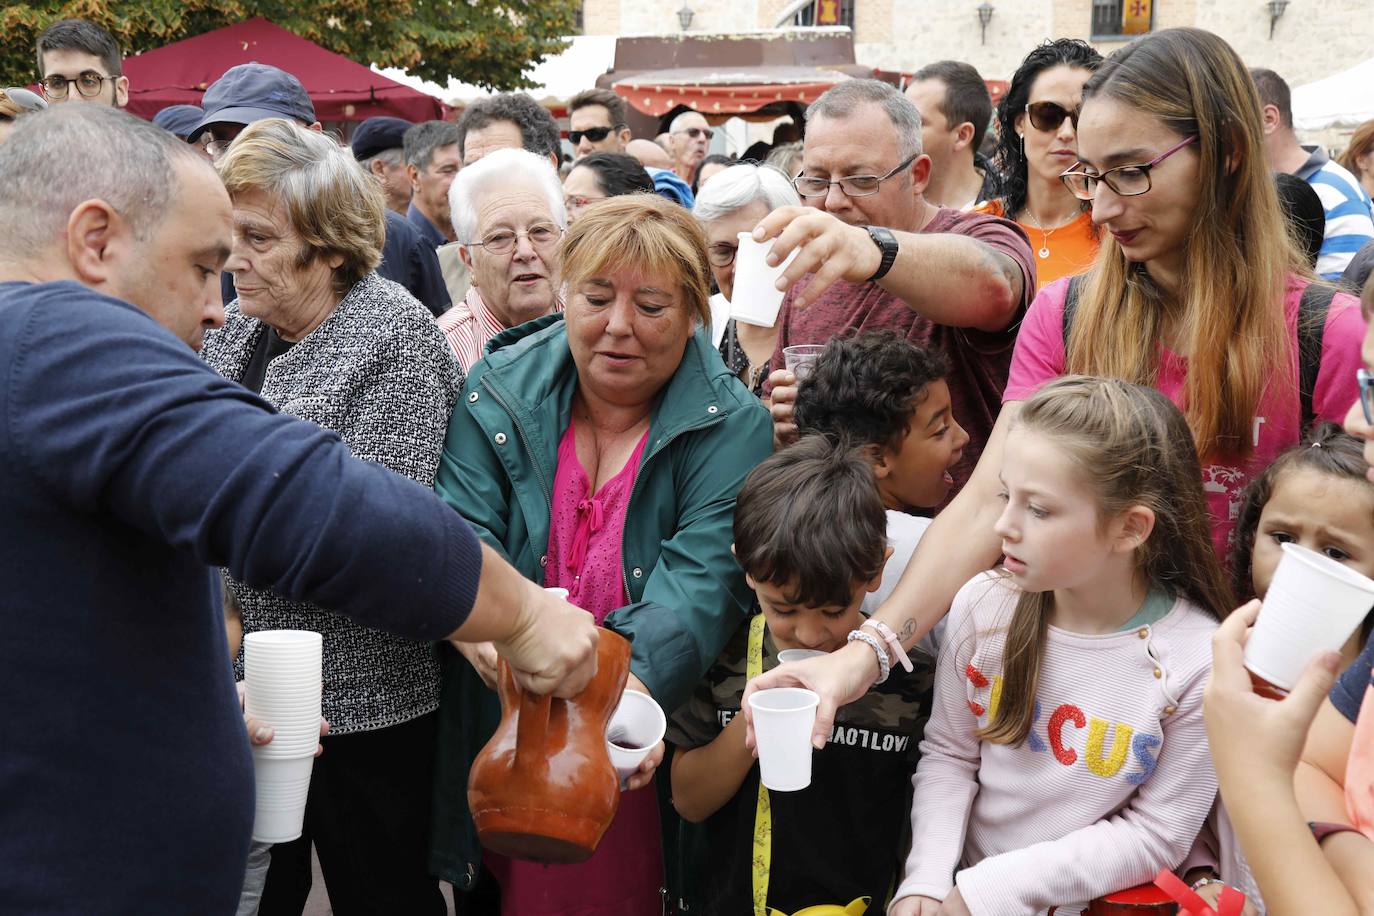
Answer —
(721, 254)
(578, 202)
(88, 84)
(1124, 180)
(503, 242)
(852, 186)
(216, 148)
(1048, 116)
(694, 132)
(1366, 394)
(594, 134)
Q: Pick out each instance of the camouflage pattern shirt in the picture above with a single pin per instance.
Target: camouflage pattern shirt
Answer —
(840, 838)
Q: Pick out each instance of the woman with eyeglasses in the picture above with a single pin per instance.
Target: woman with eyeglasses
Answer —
(601, 176)
(1036, 144)
(601, 451)
(734, 202)
(1196, 291)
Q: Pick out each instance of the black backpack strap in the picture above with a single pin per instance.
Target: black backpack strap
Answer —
(1312, 310)
(1071, 306)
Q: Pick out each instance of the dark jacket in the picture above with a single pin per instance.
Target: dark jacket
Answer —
(687, 593)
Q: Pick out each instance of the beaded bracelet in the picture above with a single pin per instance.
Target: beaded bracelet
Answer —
(884, 666)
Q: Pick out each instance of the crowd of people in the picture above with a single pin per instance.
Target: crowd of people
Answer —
(1087, 359)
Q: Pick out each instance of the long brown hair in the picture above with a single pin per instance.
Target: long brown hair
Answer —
(1361, 141)
(1132, 446)
(1229, 312)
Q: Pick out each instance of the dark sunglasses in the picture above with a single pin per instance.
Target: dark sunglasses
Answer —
(1048, 116)
(594, 134)
(695, 132)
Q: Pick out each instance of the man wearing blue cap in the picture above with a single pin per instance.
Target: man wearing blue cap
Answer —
(179, 120)
(379, 146)
(254, 92)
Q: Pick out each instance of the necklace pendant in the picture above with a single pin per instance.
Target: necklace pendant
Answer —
(1044, 254)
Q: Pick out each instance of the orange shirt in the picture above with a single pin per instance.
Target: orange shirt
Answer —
(1061, 252)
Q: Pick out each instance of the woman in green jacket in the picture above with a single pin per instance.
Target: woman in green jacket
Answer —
(601, 451)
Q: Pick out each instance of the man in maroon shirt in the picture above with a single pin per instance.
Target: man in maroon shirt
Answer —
(874, 253)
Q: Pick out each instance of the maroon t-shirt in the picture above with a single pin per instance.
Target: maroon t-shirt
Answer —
(979, 360)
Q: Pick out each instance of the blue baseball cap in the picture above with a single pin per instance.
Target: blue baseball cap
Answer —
(180, 120)
(377, 135)
(253, 92)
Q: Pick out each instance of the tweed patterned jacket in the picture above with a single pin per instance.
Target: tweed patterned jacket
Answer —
(379, 373)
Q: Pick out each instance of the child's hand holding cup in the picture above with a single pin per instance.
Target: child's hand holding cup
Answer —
(1312, 606)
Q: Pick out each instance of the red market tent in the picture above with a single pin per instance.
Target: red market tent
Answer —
(342, 90)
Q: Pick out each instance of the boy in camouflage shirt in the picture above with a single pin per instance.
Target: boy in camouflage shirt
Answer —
(811, 536)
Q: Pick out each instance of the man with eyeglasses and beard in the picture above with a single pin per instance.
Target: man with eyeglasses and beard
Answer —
(874, 253)
(78, 61)
(596, 123)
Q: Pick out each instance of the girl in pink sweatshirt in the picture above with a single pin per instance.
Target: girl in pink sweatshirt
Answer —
(1065, 757)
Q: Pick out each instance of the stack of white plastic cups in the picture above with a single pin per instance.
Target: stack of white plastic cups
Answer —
(281, 670)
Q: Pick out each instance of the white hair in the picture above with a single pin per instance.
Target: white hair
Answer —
(495, 173)
(739, 186)
(677, 123)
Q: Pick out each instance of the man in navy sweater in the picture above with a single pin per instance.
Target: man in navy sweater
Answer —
(130, 471)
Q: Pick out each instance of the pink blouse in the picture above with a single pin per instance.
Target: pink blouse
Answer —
(624, 876)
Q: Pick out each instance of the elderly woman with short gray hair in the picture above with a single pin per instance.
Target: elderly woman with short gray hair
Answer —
(734, 201)
(318, 334)
(509, 215)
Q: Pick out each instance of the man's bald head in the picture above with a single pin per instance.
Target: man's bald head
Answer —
(70, 154)
(649, 154)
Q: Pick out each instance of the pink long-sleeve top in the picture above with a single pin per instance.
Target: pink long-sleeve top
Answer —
(1112, 784)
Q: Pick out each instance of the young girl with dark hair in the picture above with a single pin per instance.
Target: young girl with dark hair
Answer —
(1065, 756)
(1037, 142)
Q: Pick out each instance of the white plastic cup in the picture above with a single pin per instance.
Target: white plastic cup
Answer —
(783, 719)
(1312, 606)
(800, 358)
(282, 677)
(787, 656)
(636, 727)
(755, 298)
(281, 786)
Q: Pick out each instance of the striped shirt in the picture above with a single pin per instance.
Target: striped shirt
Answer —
(1348, 221)
(469, 326)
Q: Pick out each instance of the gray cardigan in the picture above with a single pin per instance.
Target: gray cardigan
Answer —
(379, 373)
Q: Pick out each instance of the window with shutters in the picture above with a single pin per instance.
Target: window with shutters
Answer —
(1118, 19)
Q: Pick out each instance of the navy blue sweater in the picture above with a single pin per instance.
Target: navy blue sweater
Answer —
(130, 470)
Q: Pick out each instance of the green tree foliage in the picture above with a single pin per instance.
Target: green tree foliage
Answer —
(487, 42)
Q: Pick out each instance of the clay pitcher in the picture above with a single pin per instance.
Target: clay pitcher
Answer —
(543, 788)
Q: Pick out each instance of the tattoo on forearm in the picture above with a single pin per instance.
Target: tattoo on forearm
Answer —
(908, 630)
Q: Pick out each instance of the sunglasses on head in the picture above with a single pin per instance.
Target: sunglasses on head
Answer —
(594, 134)
(1048, 116)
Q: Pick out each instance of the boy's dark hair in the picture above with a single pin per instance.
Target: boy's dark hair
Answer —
(606, 98)
(809, 519)
(866, 389)
(1328, 449)
(966, 95)
(83, 36)
(1305, 213)
(538, 129)
(1273, 90)
(617, 173)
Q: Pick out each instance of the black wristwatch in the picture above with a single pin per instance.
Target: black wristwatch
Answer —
(887, 244)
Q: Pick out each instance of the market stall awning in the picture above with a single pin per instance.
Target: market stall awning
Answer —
(341, 89)
(723, 92)
(1341, 100)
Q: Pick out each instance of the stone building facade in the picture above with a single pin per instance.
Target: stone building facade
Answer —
(1311, 40)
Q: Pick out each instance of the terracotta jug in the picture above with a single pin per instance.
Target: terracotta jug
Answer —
(543, 788)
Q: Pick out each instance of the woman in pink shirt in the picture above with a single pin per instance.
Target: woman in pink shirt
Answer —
(1195, 291)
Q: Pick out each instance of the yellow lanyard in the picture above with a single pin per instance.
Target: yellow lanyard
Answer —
(763, 816)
